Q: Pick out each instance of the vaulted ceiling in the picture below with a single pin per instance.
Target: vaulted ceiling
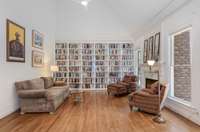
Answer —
(138, 15)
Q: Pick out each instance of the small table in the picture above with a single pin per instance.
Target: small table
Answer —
(77, 96)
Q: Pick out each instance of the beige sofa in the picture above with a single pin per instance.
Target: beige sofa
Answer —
(41, 95)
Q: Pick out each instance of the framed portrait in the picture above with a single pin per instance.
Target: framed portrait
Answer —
(15, 42)
(150, 48)
(145, 52)
(157, 46)
(37, 39)
(37, 59)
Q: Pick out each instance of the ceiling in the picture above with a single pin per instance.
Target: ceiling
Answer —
(138, 15)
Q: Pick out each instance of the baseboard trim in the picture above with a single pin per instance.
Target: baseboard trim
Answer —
(189, 113)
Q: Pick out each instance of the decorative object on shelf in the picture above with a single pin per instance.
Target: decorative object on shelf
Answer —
(157, 47)
(15, 42)
(37, 39)
(145, 52)
(37, 59)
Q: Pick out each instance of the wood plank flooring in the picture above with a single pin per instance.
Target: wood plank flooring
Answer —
(97, 113)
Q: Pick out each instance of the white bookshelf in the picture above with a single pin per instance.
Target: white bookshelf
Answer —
(92, 66)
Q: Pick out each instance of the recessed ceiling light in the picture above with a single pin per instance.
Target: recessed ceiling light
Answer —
(84, 3)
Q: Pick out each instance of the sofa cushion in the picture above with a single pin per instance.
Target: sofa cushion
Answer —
(36, 83)
(48, 82)
(22, 85)
(53, 93)
(30, 84)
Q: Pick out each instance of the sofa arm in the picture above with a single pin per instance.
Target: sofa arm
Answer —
(59, 83)
(32, 93)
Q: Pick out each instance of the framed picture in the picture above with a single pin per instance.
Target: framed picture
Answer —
(157, 46)
(150, 48)
(37, 39)
(145, 51)
(37, 59)
(15, 42)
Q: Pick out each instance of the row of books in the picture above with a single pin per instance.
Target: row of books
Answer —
(61, 51)
(100, 51)
(90, 45)
(87, 57)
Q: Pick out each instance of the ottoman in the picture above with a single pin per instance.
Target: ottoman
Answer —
(116, 89)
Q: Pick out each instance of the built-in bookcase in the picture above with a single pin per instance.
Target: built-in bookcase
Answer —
(101, 65)
(87, 66)
(93, 65)
(115, 54)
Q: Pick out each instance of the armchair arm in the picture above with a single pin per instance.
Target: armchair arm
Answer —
(123, 83)
(32, 93)
(148, 97)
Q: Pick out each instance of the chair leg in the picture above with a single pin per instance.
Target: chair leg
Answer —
(131, 108)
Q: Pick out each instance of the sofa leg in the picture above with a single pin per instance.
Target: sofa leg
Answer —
(22, 113)
(51, 113)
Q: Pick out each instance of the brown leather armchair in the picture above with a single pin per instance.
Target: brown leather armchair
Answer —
(130, 83)
(147, 99)
(127, 85)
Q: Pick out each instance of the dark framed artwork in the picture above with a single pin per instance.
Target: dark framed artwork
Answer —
(15, 42)
(37, 59)
(145, 52)
(150, 48)
(37, 39)
(157, 46)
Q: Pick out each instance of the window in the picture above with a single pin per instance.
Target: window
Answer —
(181, 65)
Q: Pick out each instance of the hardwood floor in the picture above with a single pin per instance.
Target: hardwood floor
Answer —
(97, 113)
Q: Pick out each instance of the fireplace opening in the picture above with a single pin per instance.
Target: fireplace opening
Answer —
(149, 81)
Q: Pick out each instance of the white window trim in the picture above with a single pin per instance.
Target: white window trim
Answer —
(171, 40)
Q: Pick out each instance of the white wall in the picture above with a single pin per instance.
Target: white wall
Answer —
(32, 14)
(189, 15)
(97, 22)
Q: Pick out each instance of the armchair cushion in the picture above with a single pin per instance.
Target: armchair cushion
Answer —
(32, 93)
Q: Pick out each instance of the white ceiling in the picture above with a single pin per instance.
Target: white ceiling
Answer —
(138, 15)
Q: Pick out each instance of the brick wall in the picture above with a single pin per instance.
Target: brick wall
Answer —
(182, 66)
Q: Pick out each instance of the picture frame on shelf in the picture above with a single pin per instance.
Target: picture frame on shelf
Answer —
(37, 59)
(157, 46)
(145, 50)
(150, 48)
(37, 39)
(15, 42)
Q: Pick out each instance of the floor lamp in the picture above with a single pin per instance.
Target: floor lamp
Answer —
(158, 118)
